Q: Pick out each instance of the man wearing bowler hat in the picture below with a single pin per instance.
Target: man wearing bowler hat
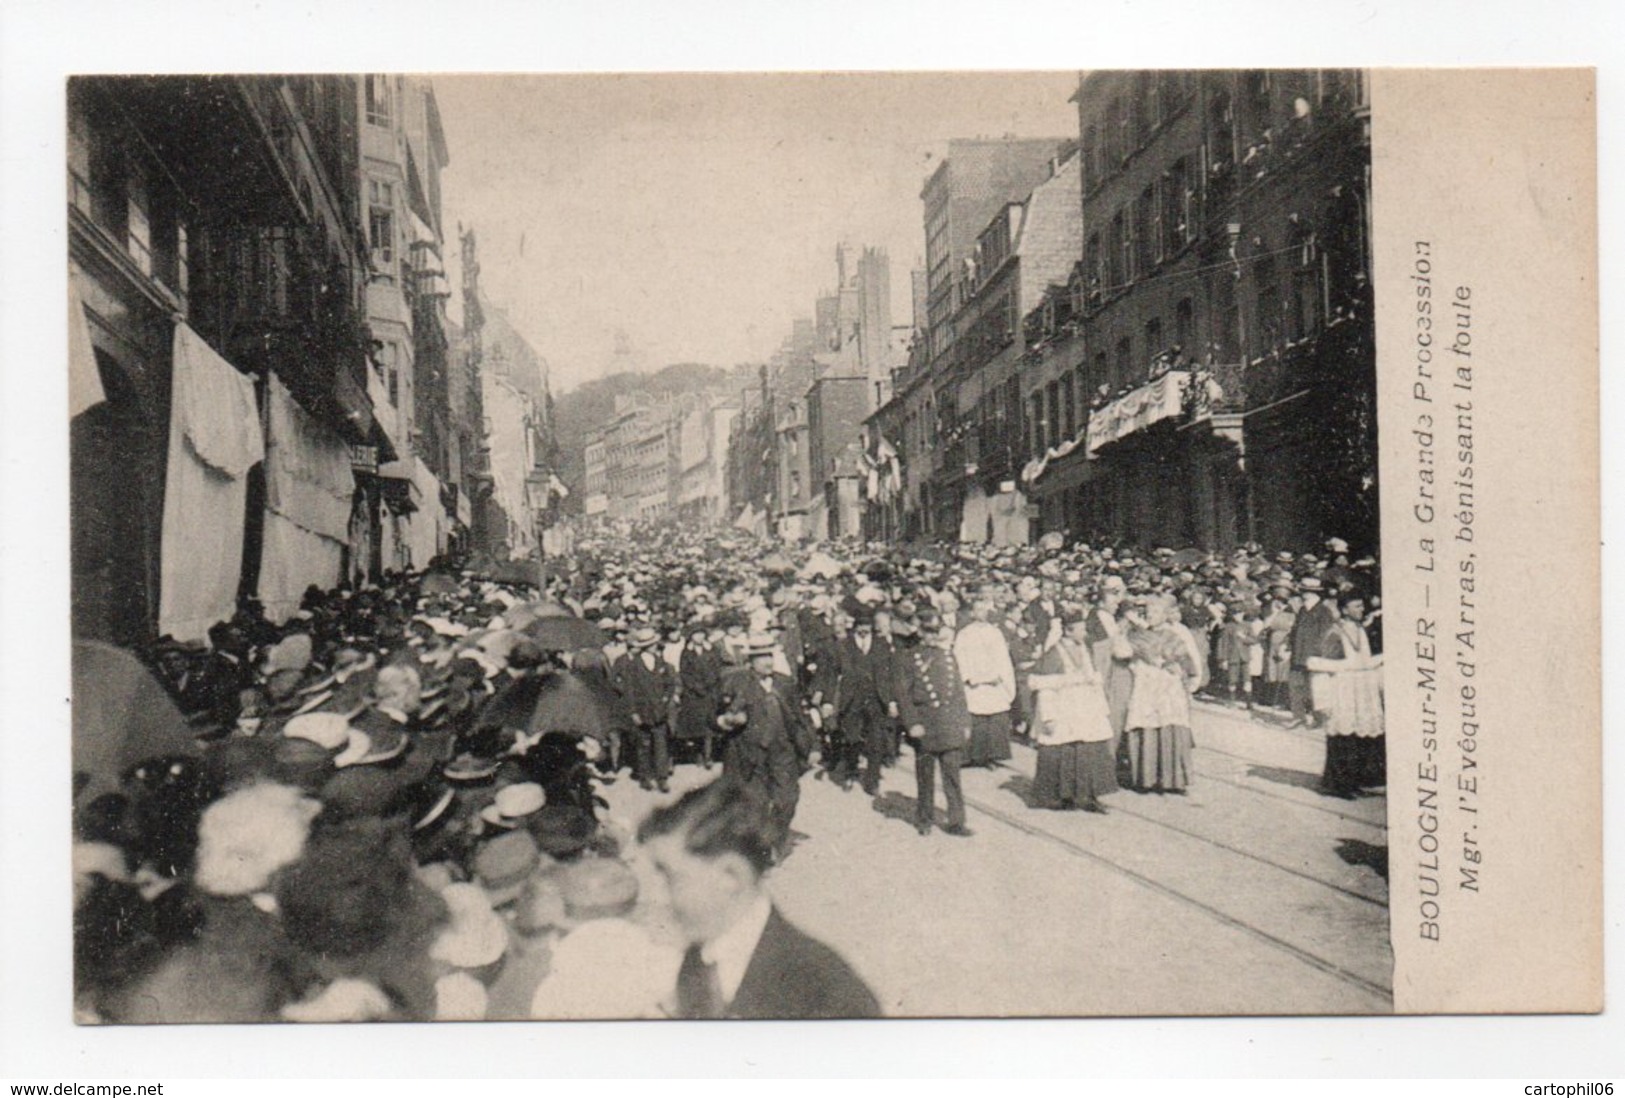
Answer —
(863, 705)
(649, 686)
(769, 741)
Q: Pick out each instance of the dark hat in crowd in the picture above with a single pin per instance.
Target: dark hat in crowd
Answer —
(502, 865)
(562, 830)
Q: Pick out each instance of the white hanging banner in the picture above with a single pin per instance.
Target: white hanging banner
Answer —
(214, 439)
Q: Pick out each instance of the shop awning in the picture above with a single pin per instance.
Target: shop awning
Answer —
(399, 491)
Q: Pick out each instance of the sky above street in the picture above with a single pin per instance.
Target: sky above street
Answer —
(699, 214)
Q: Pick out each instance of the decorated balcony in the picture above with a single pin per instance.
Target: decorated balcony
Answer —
(1157, 400)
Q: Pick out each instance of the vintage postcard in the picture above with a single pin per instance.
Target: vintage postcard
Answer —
(834, 545)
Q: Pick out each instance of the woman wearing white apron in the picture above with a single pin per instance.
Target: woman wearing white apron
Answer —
(1076, 766)
(1166, 671)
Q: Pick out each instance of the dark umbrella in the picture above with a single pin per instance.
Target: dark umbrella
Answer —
(565, 634)
(438, 583)
(516, 572)
(121, 716)
(557, 702)
(1187, 558)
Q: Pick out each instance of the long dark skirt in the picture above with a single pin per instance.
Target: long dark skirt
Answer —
(1073, 774)
(1159, 758)
(1354, 763)
(989, 739)
(696, 718)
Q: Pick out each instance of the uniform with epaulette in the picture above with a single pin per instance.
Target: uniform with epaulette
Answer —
(932, 705)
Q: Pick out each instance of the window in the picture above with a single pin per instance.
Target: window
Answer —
(1142, 119)
(81, 139)
(1306, 282)
(1035, 424)
(1148, 232)
(267, 286)
(1124, 112)
(380, 100)
(1153, 337)
(1221, 131)
(1094, 271)
(1125, 363)
(170, 258)
(1123, 246)
(1091, 158)
(1268, 293)
(1053, 392)
(1170, 93)
(381, 225)
(1177, 229)
(388, 364)
(1154, 106)
(137, 224)
(1184, 325)
(1069, 407)
(1259, 88)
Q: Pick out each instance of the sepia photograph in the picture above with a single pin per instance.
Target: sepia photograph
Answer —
(731, 546)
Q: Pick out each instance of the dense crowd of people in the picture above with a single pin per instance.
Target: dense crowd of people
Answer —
(391, 805)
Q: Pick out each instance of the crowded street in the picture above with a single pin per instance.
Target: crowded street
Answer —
(499, 754)
(1252, 886)
(844, 631)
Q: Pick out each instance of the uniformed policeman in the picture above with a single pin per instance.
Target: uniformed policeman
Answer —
(932, 704)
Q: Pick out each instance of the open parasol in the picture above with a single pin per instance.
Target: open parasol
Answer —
(559, 702)
(526, 572)
(565, 633)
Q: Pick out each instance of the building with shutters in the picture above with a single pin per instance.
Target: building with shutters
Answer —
(1219, 328)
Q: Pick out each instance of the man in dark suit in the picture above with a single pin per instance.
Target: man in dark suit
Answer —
(932, 704)
(649, 685)
(1311, 626)
(769, 741)
(864, 703)
(744, 960)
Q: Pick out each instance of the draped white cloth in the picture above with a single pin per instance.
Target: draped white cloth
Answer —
(308, 492)
(308, 479)
(1150, 403)
(429, 535)
(84, 380)
(291, 559)
(214, 439)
